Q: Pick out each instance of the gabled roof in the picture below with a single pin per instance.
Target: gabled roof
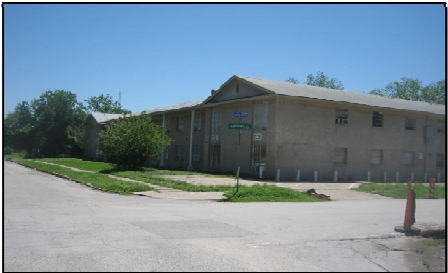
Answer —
(103, 117)
(184, 105)
(321, 93)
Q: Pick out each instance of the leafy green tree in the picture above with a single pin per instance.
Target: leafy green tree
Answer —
(435, 93)
(57, 118)
(17, 126)
(132, 142)
(105, 104)
(412, 89)
(320, 79)
(323, 80)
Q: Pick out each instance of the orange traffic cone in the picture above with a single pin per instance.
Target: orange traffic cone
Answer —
(409, 212)
(409, 216)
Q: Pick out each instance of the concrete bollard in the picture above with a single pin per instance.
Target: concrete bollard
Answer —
(298, 175)
(335, 176)
(426, 178)
(315, 176)
(384, 177)
(397, 178)
(278, 175)
(412, 177)
(368, 176)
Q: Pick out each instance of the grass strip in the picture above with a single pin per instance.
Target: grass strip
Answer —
(96, 180)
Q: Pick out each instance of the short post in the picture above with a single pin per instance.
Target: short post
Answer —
(409, 215)
(368, 176)
(426, 178)
(397, 177)
(412, 177)
(260, 171)
(237, 178)
(298, 175)
(438, 177)
(335, 176)
(315, 176)
(384, 177)
(278, 175)
(409, 218)
(432, 186)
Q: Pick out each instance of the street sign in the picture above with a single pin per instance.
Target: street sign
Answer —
(240, 126)
(240, 115)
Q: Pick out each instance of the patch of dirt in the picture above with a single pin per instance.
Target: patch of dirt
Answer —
(433, 256)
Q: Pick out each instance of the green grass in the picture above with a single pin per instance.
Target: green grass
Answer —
(96, 180)
(435, 242)
(268, 193)
(79, 164)
(255, 193)
(149, 177)
(399, 190)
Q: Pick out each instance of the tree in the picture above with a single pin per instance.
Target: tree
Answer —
(105, 104)
(412, 89)
(323, 81)
(292, 80)
(320, 80)
(17, 126)
(57, 118)
(435, 93)
(132, 142)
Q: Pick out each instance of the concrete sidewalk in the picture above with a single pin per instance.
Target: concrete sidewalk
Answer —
(337, 191)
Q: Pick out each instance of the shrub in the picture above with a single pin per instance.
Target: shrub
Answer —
(132, 142)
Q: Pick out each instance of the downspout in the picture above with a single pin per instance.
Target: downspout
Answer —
(162, 163)
(190, 154)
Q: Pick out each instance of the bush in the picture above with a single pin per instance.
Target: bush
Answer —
(132, 142)
(7, 151)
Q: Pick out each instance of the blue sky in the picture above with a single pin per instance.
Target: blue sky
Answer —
(164, 54)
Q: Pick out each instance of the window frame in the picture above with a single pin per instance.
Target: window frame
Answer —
(410, 124)
(377, 119)
(215, 120)
(179, 152)
(341, 116)
(374, 157)
(180, 124)
(197, 123)
(214, 156)
(409, 158)
(340, 153)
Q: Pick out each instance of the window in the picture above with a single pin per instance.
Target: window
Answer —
(197, 125)
(377, 157)
(377, 119)
(440, 160)
(410, 123)
(409, 159)
(215, 154)
(216, 120)
(259, 155)
(180, 124)
(196, 155)
(167, 125)
(261, 116)
(340, 155)
(441, 129)
(341, 116)
(179, 150)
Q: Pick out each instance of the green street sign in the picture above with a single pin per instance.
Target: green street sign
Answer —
(240, 126)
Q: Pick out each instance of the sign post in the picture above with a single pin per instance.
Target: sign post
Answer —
(240, 126)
